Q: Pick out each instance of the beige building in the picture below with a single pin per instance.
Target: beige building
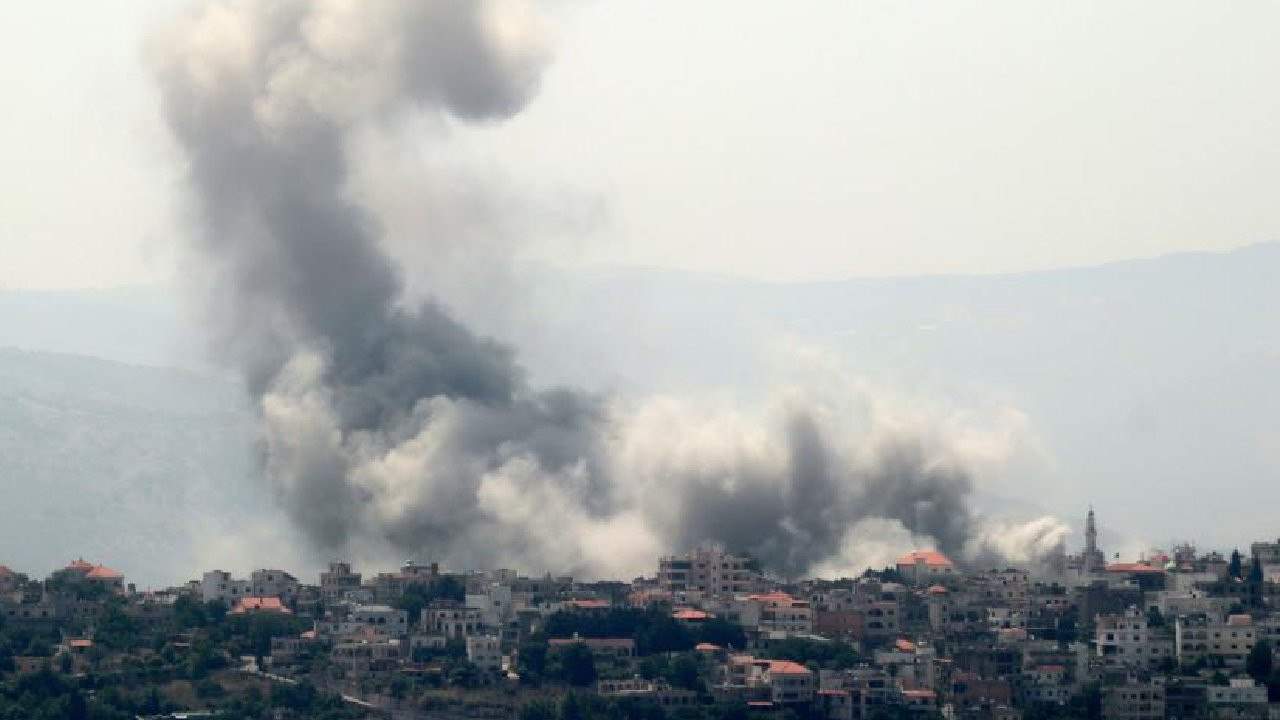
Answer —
(780, 612)
(337, 581)
(708, 570)
(926, 566)
(1202, 636)
(787, 682)
(367, 655)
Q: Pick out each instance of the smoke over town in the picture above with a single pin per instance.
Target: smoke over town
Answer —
(395, 427)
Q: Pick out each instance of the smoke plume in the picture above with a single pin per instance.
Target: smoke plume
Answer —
(395, 427)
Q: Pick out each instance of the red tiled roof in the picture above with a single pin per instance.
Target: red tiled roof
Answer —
(905, 645)
(786, 667)
(922, 694)
(259, 604)
(1132, 568)
(102, 572)
(936, 590)
(775, 597)
(5, 572)
(81, 643)
(588, 604)
(931, 558)
(80, 565)
(690, 614)
(707, 647)
(1240, 619)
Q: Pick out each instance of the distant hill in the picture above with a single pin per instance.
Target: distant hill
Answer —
(1154, 385)
(129, 466)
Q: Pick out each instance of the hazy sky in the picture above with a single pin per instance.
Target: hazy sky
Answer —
(829, 139)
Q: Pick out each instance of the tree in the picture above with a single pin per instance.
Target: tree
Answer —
(1233, 567)
(532, 661)
(209, 688)
(1255, 571)
(685, 672)
(1259, 663)
(1273, 686)
(538, 710)
(574, 664)
(571, 708)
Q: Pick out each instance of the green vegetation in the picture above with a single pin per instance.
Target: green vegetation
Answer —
(832, 655)
(653, 630)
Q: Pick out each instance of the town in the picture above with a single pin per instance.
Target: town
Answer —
(1176, 634)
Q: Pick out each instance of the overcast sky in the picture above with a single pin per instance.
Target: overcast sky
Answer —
(832, 139)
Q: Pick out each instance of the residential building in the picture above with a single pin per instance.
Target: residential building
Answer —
(708, 570)
(219, 586)
(1133, 701)
(1125, 639)
(383, 619)
(249, 605)
(452, 622)
(485, 652)
(274, 583)
(924, 567)
(1202, 636)
(338, 581)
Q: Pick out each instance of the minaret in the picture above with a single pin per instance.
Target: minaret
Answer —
(1090, 543)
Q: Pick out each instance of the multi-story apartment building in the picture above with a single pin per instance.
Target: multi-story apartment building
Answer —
(485, 652)
(389, 587)
(1133, 701)
(708, 570)
(219, 586)
(382, 619)
(1204, 636)
(494, 601)
(1126, 639)
(453, 622)
(788, 683)
(273, 583)
(338, 581)
(1003, 588)
(780, 612)
(884, 619)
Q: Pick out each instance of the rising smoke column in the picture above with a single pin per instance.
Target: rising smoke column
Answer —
(396, 427)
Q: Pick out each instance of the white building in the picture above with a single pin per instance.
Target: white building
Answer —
(383, 619)
(494, 602)
(1124, 639)
(452, 622)
(219, 586)
(485, 652)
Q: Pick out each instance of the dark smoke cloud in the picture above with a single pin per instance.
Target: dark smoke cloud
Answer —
(388, 426)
